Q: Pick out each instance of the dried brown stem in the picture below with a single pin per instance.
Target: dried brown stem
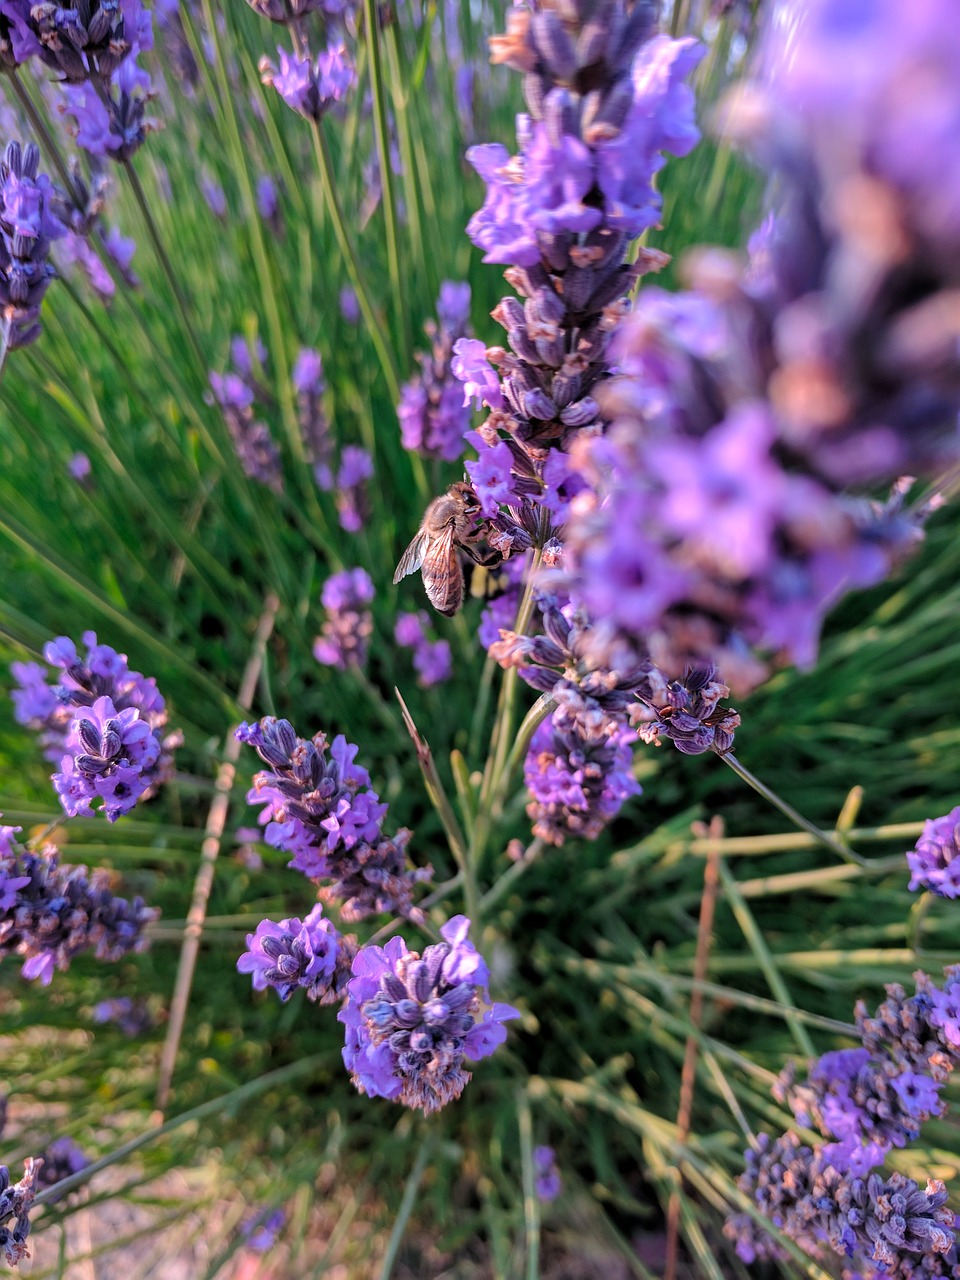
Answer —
(209, 850)
(688, 1075)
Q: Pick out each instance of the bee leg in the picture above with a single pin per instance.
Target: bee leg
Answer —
(488, 559)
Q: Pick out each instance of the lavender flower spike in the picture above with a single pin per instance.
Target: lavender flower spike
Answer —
(307, 87)
(411, 1020)
(318, 810)
(27, 229)
(935, 861)
(292, 954)
(15, 1202)
(346, 631)
(109, 757)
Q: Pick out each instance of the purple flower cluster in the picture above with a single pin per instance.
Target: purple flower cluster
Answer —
(547, 1182)
(309, 385)
(348, 625)
(131, 1016)
(61, 1158)
(432, 413)
(235, 393)
(15, 1201)
(722, 519)
(102, 723)
(432, 659)
(28, 226)
(78, 249)
(577, 785)
(260, 1232)
(310, 86)
(50, 913)
(687, 712)
(310, 954)
(865, 1101)
(318, 808)
(889, 1222)
(411, 1020)
(578, 767)
(934, 862)
(356, 468)
(94, 50)
(605, 98)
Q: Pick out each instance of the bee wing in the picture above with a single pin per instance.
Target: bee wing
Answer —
(412, 558)
(442, 575)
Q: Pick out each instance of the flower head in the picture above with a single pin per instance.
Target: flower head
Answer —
(412, 1020)
(293, 954)
(935, 860)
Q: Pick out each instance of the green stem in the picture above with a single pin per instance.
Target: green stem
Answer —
(382, 131)
(226, 1100)
(831, 841)
(758, 945)
(503, 728)
(511, 876)
(372, 321)
(531, 1209)
(406, 1206)
(918, 913)
(173, 279)
(49, 143)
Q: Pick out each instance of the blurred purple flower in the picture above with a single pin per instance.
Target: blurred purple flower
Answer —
(310, 87)
(345, 634)
(547, 1180)
(935, 860)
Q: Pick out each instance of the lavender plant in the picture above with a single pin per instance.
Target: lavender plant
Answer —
(666, 496)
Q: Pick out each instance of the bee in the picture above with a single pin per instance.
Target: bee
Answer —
(446, 529)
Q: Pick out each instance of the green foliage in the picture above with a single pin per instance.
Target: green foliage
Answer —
(169, 554)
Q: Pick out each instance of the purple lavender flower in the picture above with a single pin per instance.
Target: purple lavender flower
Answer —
(307, 87)
(267, 198)
(432, 413)
(110, 756)
(28, 226)
(101, 722)
(58, 911)
(356, 468)
(944, 1015)
(317, 808)
(346, 631)
(471, 367)
(111, 123)
(887, 1222)
(411, 1020)
(934, 862)
(91, 43)
(492, 475)
(660, 118)
(15, 1201)
(235, 393)
(61, 1158)
(214, 196)
(432, 659)
(547, 1182)
(309, 384)
(577, 785)
(132, 1016)
(293, 954)
(688, 712)
(260, 1233)
(349, 305)
(18, 43)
